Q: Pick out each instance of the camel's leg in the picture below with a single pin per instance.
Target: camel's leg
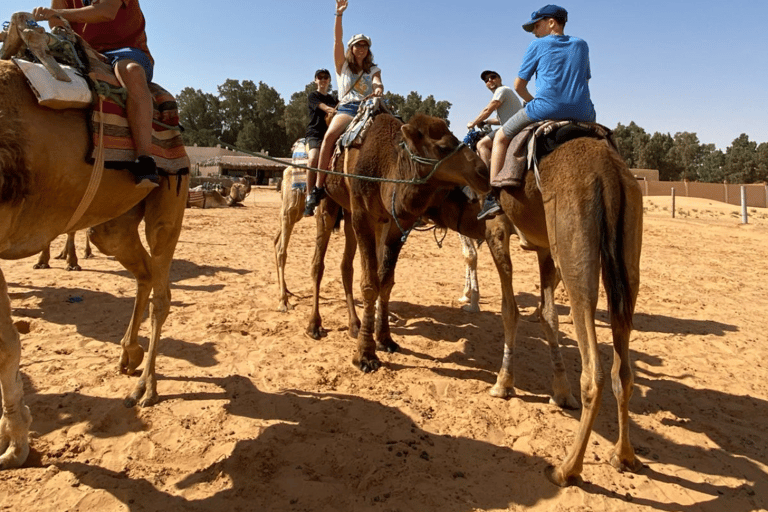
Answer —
(549, 276)
(163, 213)
(16, 418)
(365, 358)
(575, 235)
(347, 274)
(498, 244)
(623, 457)
(87, 253)
(471, 295)
(390, 251)
(120, 238)
(291, 212)
(70, 252)
(43, 261)
(325, 217)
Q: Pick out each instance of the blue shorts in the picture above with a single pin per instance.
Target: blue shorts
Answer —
(134, 54)
(348, 108)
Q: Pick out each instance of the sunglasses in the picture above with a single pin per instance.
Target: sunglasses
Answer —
(491, 77)
(323, 77)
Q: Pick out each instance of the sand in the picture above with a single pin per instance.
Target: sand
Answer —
(256, 416)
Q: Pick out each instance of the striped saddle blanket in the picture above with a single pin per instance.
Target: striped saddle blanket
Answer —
(167, 144)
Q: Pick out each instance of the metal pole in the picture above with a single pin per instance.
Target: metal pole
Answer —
(743, 204)
(673, 202)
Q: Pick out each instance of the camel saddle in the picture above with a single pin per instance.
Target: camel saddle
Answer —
(538, 140)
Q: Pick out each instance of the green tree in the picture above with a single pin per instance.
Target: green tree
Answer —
(296, 115)
(741, 160)
(630, 141)
(261, 109)
(686, 152)
(762, 162)
(413, 104)
(199, 114)
(712, 167)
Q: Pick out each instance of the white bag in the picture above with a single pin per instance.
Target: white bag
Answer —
(54, 93)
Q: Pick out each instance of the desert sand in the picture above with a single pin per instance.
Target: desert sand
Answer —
(256, 416)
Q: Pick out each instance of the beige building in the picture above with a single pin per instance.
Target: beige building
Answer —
(219, 161)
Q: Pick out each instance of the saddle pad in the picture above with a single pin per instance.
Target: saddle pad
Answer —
(523, 152)
(54, 93)
(167, 143)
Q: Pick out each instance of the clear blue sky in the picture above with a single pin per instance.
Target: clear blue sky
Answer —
(670, 66)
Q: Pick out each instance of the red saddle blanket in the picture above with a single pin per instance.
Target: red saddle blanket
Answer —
(167, 144)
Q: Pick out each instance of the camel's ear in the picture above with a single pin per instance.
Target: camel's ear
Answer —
(412, 135)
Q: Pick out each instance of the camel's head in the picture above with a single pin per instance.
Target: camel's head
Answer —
(429, 137)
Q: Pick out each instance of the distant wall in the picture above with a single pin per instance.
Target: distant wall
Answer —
(757, 194)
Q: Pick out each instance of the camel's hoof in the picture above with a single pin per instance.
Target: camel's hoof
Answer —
(130, 360)
(565, 402)
(150, 401)
(40, 266)
(632, 466)
(74, 267)
(284, 307)
(499, 391)
(316, 333)
(368, 364)
(555, 476)
(471, 308)
(388, 346)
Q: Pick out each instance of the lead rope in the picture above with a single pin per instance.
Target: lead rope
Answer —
(95, 181)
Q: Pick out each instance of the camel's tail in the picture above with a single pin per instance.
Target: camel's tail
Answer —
(617, 252)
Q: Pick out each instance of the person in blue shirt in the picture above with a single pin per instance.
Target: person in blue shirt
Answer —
(561, 66)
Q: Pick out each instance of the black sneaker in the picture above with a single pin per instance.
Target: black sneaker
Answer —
(313, 200)
(490, 209)
(145, 172)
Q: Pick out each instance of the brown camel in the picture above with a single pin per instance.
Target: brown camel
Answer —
(383, 212)
(43, 176)
(586, 220)
(68, 253)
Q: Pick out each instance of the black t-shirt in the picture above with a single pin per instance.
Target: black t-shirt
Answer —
(317, 127)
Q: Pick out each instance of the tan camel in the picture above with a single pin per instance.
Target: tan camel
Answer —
(43, 176)
(200, 198)
(383, 212)
(293, 199)
(68, 253)
(587, 220)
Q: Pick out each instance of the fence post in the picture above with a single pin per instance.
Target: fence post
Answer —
(744, 204)
(685, 182)
(673, 202)
(725, 187)
(766, 194)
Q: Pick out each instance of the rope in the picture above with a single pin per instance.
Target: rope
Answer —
(435, 163)
(117, 94)
(93, 183)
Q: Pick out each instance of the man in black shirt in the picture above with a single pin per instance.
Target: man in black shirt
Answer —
(320, 103)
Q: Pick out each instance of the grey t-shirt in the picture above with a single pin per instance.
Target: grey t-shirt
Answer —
(509, 103)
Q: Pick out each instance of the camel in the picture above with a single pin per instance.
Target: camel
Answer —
(470, 296)
(201, 198)
(67, 253)
(585, 220)
(383, 212)
(293, 195)
(43, 176)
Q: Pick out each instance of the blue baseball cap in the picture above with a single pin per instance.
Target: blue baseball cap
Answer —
(548, 11)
